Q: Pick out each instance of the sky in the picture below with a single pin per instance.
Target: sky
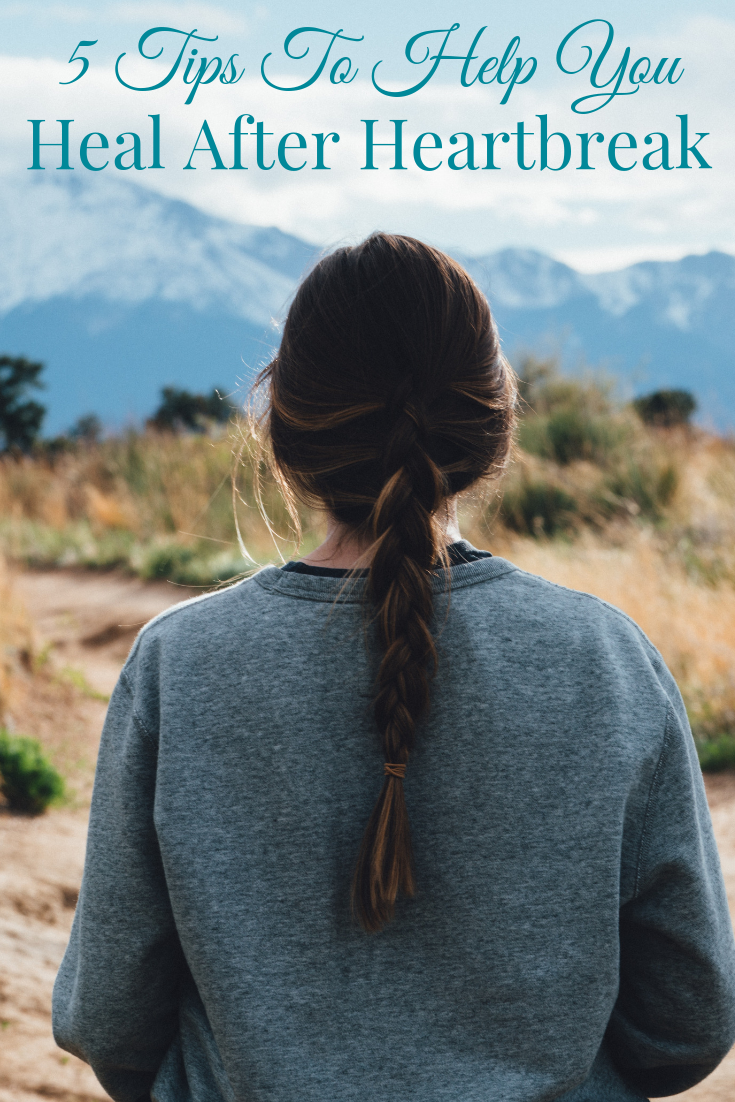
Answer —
(594, 219)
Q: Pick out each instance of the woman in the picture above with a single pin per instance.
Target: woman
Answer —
(252, 924)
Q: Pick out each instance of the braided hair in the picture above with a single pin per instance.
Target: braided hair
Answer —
(389, 395)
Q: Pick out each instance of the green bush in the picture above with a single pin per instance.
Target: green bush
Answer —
(567, 419)
(174, 562)
(28, 781)
(666, 407)
(648, 484)
(568, 434)
(188, 564)
(571, 435)
(539, 509)
(182, 411)
(716, 754)
(564, 435)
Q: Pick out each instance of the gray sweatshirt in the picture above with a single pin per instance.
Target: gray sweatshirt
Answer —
(569, 938)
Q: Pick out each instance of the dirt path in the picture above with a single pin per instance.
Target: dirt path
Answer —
(85, 623)
(90, 621)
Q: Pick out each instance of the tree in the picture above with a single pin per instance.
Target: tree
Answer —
(180, 410)
(86, 429)
(666, 407)
(20, 417)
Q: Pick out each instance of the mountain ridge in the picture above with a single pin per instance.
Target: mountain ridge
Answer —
(121, 290)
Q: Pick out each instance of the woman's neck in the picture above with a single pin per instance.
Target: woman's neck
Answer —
(341, 549)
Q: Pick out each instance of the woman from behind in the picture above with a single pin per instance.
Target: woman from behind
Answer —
(531, 909)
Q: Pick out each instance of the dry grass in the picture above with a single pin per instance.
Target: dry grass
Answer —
(16, 643)
(42, 697)
(160, 505)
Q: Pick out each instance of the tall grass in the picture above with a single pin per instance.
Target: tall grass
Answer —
(16, 641)
(161, 504)
(158, 504)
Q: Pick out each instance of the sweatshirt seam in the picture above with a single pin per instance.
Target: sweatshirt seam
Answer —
(125, 682)
(653, 794)
(186, 604)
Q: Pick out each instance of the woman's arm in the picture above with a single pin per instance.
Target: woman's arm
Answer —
(674, 1019)
(116, 995)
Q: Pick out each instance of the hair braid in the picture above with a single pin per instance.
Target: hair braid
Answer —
(400, 587)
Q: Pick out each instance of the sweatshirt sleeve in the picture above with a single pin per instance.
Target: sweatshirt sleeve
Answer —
(674, 1019)
(115, 999)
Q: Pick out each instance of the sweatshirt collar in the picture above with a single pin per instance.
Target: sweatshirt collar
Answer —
(310, 587)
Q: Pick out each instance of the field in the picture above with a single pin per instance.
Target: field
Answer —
(98, 537)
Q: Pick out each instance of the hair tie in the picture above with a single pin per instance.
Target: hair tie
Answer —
(395, 769)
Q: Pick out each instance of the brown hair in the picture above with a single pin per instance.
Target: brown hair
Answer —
(388, 396)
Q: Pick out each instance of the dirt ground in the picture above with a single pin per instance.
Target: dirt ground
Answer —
(90, 621)
(85, 623)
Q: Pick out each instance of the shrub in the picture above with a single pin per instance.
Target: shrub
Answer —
(189, 564)
(543, 389)
(539, 508)
(665, 407)
(569, 419)
(717, 754)
(86, 429)
(571, 435)
(568, 434)
(182, 411)
(649, 485)
(28, 781)
(173, 562)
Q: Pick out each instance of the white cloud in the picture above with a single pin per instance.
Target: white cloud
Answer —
(140, 12)
(185, 14)
(64, 13)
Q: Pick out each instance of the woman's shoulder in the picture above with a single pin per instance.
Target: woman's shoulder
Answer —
(189, 622)
(576, 603)
(538, 607)
(574, 651)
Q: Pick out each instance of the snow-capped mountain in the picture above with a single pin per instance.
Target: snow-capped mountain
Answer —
(121, 291)
(654, 324)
